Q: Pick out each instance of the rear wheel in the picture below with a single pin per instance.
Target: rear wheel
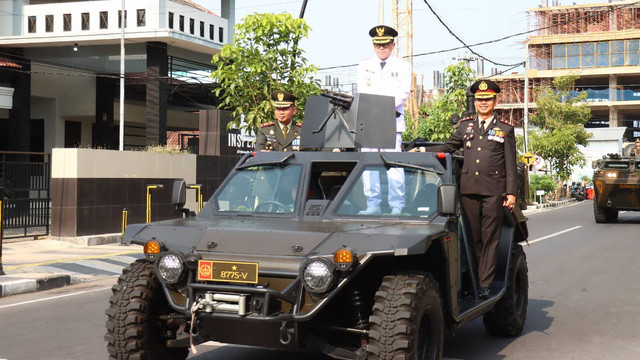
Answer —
(407, 321)
(510, 312)
(133, 328)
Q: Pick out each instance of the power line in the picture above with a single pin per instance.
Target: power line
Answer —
(611, 9)
(462, 41)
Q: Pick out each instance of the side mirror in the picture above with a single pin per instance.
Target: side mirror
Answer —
(448, 200)
(594, 164)
(179, 193)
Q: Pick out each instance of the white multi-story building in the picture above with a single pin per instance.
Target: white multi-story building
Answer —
(60, 70)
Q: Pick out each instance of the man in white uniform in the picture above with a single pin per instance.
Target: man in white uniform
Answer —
(385, 74)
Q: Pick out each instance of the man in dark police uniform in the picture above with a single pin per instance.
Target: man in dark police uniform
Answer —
(488, 179)
(283, 134)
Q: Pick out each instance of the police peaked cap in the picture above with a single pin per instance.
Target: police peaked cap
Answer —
(484, 89)
(382, 34)
(282, 98)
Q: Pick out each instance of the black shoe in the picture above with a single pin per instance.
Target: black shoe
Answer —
(483, 292)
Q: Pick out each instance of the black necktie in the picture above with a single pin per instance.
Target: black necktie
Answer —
(382, 64)
(482, 126)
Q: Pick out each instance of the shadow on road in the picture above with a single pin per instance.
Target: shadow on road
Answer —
(471, 342)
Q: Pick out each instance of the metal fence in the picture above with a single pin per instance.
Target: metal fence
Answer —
(25, 179)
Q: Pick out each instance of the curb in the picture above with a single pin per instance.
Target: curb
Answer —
(550, 204)
(16, 285)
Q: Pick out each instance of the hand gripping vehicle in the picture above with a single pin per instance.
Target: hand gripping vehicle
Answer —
(616, 186)
(283, 257)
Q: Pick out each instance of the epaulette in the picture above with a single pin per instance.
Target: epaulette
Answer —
(466, 119)
(266, 124)
(506, 122)
(298, 124)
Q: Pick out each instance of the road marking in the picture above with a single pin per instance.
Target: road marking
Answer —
(67, 260)
(554, 234)
(54, 297)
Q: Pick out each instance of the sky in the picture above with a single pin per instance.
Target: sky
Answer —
(339, 36)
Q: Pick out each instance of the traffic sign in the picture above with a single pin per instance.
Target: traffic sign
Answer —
(537, 161)
(528, 158)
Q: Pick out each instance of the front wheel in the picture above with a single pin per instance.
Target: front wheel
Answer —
(133, 328)
(407, 321)
(604, 215)
(510, 312)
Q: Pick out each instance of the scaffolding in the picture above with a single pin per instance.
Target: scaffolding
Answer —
(581, 19)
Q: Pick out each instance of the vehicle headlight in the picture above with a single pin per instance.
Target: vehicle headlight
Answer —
(317, 276)
(612, 175)
(170, 267)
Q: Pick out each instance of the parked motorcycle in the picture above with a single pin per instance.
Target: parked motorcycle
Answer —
(578, 192)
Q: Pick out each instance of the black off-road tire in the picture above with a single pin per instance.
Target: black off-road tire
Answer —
(133, 328)
(604, 215)
(510, 312)
(407, 321)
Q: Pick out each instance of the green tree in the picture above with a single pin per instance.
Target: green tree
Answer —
(263, 56)
(433, 120)
(540, 182)
(560, 120)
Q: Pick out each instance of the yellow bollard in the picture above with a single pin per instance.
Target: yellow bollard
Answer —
(197, 187)
(149, 188)
(125, 215)
(1, 236)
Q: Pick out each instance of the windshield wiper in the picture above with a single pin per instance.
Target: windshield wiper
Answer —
(409, 166)
(268, 162)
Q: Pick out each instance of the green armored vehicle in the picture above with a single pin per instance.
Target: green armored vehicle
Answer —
(616, 186)
(282, 256)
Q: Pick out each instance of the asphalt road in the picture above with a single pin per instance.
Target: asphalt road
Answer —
(583, 303)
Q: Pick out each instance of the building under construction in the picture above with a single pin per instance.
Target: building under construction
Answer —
(598, 42)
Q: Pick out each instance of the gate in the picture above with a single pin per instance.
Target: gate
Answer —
(25, 180)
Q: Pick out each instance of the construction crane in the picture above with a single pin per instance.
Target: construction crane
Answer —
(402, 14)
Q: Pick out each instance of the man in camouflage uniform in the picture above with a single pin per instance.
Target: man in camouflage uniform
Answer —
(282, 134)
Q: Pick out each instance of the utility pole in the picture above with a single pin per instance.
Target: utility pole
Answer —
(525, 115)
(121, 132)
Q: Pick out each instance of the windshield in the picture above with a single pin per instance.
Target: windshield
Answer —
(261, 189)
(413, 193)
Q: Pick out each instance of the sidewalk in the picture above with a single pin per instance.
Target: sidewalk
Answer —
(36, 265)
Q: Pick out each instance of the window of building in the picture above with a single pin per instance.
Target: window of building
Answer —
(573, 56)
(120, 19)
(104, 19)
(48, 22)
(85, 21)
(211, 32)
(220, 34)
(631, 53)
(201, 28)
(181, 22)
(66, 22)
(192, 26)
(602, 54)
(170, 20)
(559, 56)
(32, 24)
(617, 53)
(588, 55)
(141, 18)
